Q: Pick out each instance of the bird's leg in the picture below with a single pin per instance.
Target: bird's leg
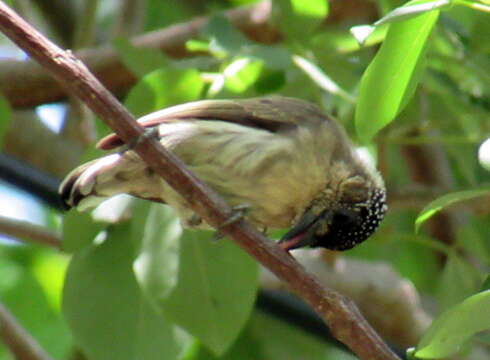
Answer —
(194, 221)
(238, 213)
(148, 134)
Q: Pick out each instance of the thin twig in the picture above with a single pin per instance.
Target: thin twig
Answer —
(29, 232)
(340, 313)
(22, 345)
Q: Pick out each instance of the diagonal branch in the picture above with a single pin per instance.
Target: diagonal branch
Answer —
(29, 232)
(340, 313)
(16, 338)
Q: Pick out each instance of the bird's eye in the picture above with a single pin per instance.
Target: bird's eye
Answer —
(345, 217)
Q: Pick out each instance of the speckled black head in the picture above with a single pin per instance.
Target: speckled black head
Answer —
(338, 229)
(352, 225)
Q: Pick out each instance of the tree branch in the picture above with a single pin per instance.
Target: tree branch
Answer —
(25, 84)
(29, 232)
(340, 313)
(373, 286)
(22, 345)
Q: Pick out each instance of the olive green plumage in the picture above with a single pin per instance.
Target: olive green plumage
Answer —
(292, 165)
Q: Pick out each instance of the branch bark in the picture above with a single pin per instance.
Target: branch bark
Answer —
(340, 313)
(376, 288)
(29, 232)
(26, 84)
(16, 338)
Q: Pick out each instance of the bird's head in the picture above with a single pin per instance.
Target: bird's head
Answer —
(340, 226)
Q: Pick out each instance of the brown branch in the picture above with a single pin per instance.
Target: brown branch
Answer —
(340, 313)
(376, 288)
(22, 345)
(29, 232)
(25, 84)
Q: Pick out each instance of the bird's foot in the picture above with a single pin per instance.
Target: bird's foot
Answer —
(194, 221)
(149, 133)
(238, 213)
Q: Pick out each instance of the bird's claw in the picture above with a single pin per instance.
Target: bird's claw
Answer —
(148, 133)
(238, 213)
(194, 221)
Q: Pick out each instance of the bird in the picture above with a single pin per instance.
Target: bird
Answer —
(282, 159)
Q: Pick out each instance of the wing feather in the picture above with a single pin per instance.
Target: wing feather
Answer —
(274, 114)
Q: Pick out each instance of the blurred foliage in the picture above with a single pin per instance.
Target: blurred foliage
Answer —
(140, 288)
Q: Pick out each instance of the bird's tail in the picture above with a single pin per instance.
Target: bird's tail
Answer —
(91, 183)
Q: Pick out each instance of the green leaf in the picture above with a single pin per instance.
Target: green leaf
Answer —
(224, 36)
(407, 11)
(5, 116)
(480, 33)
(270, 81)
(197, 45)
(310, 8)
(79, 230)
(299, 18)
(23, 295)
(267, 337)
(139, 60)
(486, 284)
(246, 347)
(157, 264)
(109, 315)
(49, 269)
(274, 57)
(391, 78)
(412, 9)
(162, 88)
(362, 33)
(453, 328)
(473, 239)
(280, 340)
(475, 5)
(458, 281)
(215, 292)
(241, 74)
(446, 200)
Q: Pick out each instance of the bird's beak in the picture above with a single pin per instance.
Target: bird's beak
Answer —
(303, 233)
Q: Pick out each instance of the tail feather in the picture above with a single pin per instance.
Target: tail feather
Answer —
(82, 187)
(69, 190)
(118, 173)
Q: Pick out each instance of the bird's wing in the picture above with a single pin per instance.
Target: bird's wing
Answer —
(274, 114)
